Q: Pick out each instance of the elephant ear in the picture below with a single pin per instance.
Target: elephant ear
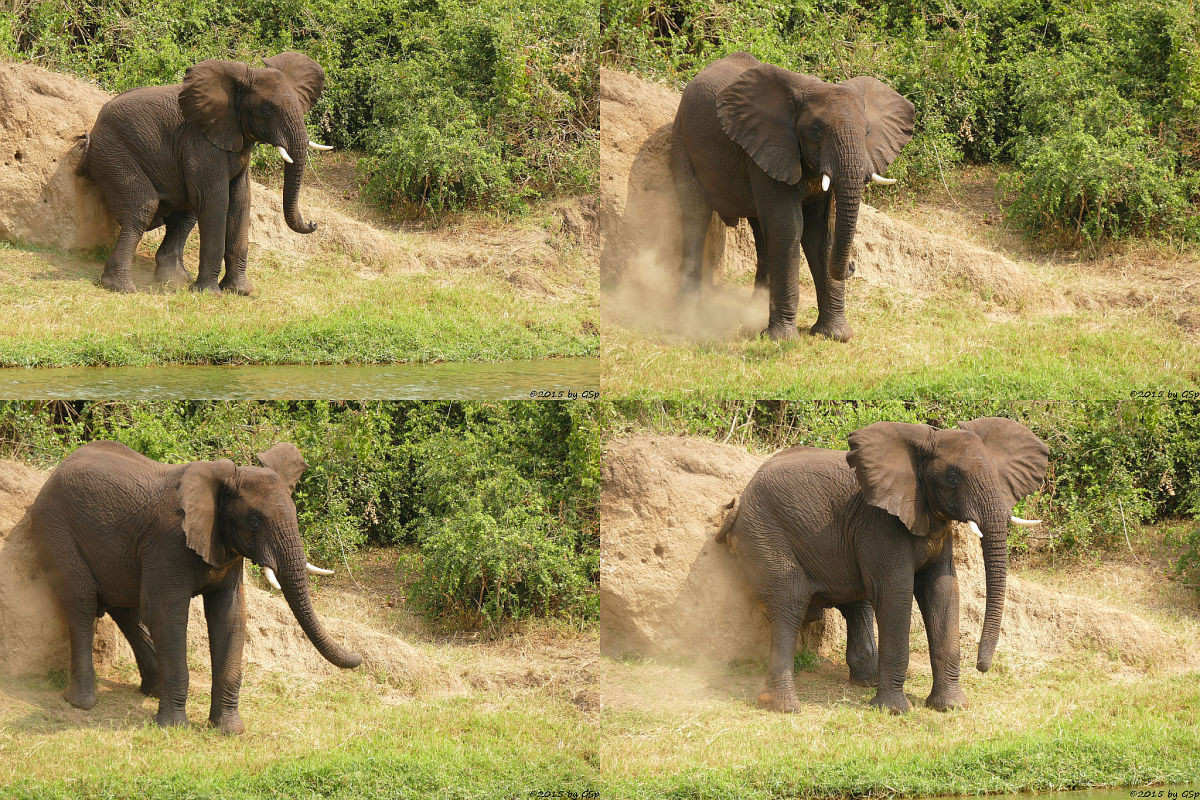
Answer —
(890, 117)
(1020, 457)
(199, 500)
(209, 100)
(886, 459)
(286, 460)
(305, 75)
(758, 111)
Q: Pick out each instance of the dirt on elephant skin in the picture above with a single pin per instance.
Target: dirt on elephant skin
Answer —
(33, 628)
(668, 590)
(640, 255)
(43, 116)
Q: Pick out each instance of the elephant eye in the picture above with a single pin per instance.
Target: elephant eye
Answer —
(952, 479)
(814, 130)
(253, 520)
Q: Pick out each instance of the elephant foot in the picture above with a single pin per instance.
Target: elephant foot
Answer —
(781, 332)
(946, 699)
(838, 331)
(897, 704)
(205, 287)
(240, 286)
(80, 697)
(173, 275)
(117, 282)
(171, 719)
(230, 723)
(864, 679)
(785, 702)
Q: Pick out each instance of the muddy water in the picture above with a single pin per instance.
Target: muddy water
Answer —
(508, 380)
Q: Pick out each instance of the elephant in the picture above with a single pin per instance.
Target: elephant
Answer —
(117, 532)
(867, 530)
(751, 140)
(175, 155)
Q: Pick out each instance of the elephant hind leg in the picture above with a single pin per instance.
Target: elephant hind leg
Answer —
(695, 217)
(168, 260)
(861, 654)
(130, 623)
(787, 606)
(79, 596)
(118, 274)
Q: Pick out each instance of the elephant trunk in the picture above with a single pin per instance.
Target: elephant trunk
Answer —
(293, 580)
(849, 169)
(995, 563)
(296, 136)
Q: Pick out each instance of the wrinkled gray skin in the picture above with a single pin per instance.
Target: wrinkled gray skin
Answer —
(120, 533)
(177, 154)
(752, 140)
(867, 530)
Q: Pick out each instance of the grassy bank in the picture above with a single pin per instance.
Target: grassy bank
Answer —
(521, 291)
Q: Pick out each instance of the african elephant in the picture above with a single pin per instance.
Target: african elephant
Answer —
(756, 141)
(121, 533)
(172, 154)
(868, 529)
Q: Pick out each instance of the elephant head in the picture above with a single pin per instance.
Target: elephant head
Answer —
(974, 474)
(248, 511)
(798, 127)
(236, 106)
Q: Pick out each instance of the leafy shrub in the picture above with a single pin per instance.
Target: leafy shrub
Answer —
(456, 104)
(1094, 105)
(1114, 465)
(499, 502)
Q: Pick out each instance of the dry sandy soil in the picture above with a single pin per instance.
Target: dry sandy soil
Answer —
(359, 607)
(674, 600)
(951, 237)
(43, 203)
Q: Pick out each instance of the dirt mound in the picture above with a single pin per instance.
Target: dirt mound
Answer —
(33, 636)
(639, 218)
(43, 202)
(667, 589)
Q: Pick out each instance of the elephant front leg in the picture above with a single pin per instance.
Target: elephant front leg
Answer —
(168, 618)
(893, 608)
(225, 612)
(861, 654)
(831, 294)
(936, 589)
(168, 260)
(212, 216)
(237, 237)
(782, 226)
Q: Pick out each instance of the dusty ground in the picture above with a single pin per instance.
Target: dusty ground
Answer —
(360, 606)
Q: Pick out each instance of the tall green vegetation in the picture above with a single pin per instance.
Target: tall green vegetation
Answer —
(1114, 465)
(495, 503)
(456, 103)
(1092, 108)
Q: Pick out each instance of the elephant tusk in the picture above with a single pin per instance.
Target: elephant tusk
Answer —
(824, 183)
(284, 155)
(877, 178)
(1019, 521)
(316, 146)
(974, 528)
(317, 570)
(271, 579)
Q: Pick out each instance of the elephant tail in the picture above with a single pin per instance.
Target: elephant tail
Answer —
(81, 169)
(731, 512)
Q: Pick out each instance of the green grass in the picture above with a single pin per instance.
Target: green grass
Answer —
(343, 738)
(946, 347)
(1066, 728)
(328, 309)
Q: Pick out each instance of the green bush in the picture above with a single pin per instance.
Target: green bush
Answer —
(1094, 106)
(497, 502)
(1114, 465)
(456, 104)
